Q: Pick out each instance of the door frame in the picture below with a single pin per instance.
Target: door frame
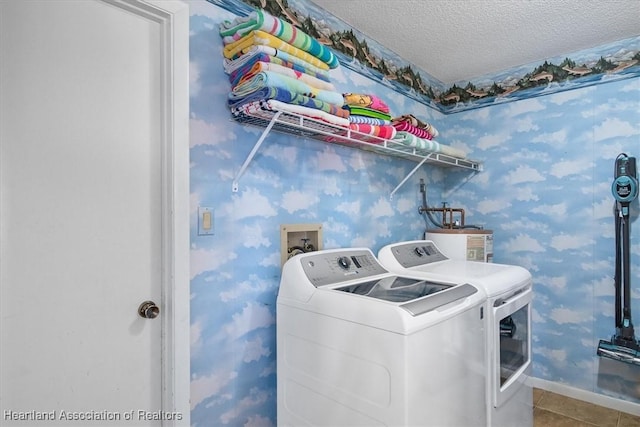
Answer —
(173, 18)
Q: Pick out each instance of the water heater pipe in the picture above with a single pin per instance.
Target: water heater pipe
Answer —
(449, 222)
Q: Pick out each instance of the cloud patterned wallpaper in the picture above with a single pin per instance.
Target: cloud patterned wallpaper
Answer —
(545, 191)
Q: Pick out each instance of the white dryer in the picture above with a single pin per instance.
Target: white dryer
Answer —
(359, 346)
(509, 394)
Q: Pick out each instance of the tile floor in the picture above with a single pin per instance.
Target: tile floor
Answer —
(554, 410)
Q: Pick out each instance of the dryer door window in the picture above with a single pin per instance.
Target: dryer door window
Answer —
(512, 330)
(514, 339)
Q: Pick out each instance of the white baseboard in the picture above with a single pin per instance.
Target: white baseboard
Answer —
(587, 396)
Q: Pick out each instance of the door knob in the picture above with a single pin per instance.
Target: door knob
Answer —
(148, 310)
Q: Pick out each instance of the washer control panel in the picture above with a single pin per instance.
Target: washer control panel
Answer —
(414, 254)
(340, 266)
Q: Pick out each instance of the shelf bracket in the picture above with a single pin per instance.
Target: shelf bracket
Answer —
(408, 176)
(253, 152)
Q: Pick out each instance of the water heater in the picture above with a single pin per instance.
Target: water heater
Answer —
(466, 244)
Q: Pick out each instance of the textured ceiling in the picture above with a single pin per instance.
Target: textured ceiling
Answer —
(458, 40)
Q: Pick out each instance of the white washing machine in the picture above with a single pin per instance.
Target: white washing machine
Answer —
(508, 351)
(359, 346)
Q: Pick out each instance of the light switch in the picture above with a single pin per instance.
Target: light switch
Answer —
(205, 221)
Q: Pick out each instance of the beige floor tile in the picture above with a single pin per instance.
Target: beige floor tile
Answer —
(579, 410)
(628, 420)
(543, 418)
(537, 395)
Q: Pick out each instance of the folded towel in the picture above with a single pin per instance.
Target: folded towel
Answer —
(408, 127)
(412, 120)
(411, 140)
(267, 66)
(273, 79)
(384, 132)
(286, 96)
(259, 19)
(279, 53)
(257, 37)
(364, 132)
(368, 112)
(369, 120)
(369, 101)
(244, 63)
(256, 108)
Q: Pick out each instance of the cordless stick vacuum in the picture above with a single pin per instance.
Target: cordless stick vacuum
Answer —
(623, 345)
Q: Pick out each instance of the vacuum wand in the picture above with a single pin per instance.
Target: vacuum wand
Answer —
(625, 190)
(623, 345)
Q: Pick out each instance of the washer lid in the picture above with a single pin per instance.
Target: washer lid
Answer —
(395, 288)
(419, 296)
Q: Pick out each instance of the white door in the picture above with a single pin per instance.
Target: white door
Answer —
(85, 214)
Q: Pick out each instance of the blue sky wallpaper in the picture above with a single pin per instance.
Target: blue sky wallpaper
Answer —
(544, 190)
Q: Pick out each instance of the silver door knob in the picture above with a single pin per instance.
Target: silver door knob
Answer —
(148, 310)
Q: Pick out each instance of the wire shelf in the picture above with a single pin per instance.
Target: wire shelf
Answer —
(299, 125)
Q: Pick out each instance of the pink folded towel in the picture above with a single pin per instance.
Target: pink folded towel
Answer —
(363, 130)
(417, 123)
(408, 127)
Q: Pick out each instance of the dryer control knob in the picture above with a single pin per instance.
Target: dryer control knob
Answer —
(344, 262)
(419, 251)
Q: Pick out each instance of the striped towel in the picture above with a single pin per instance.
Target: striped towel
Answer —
(413, 121)
(368, 120)
(384, 132)
(244, 63)
(232, 31)
(368, 112)
(410, 140)
(366, 133)
(257, 37)
(288, 97)
(408, 127)
(256, 108)
(273, 79)
(267, 66)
